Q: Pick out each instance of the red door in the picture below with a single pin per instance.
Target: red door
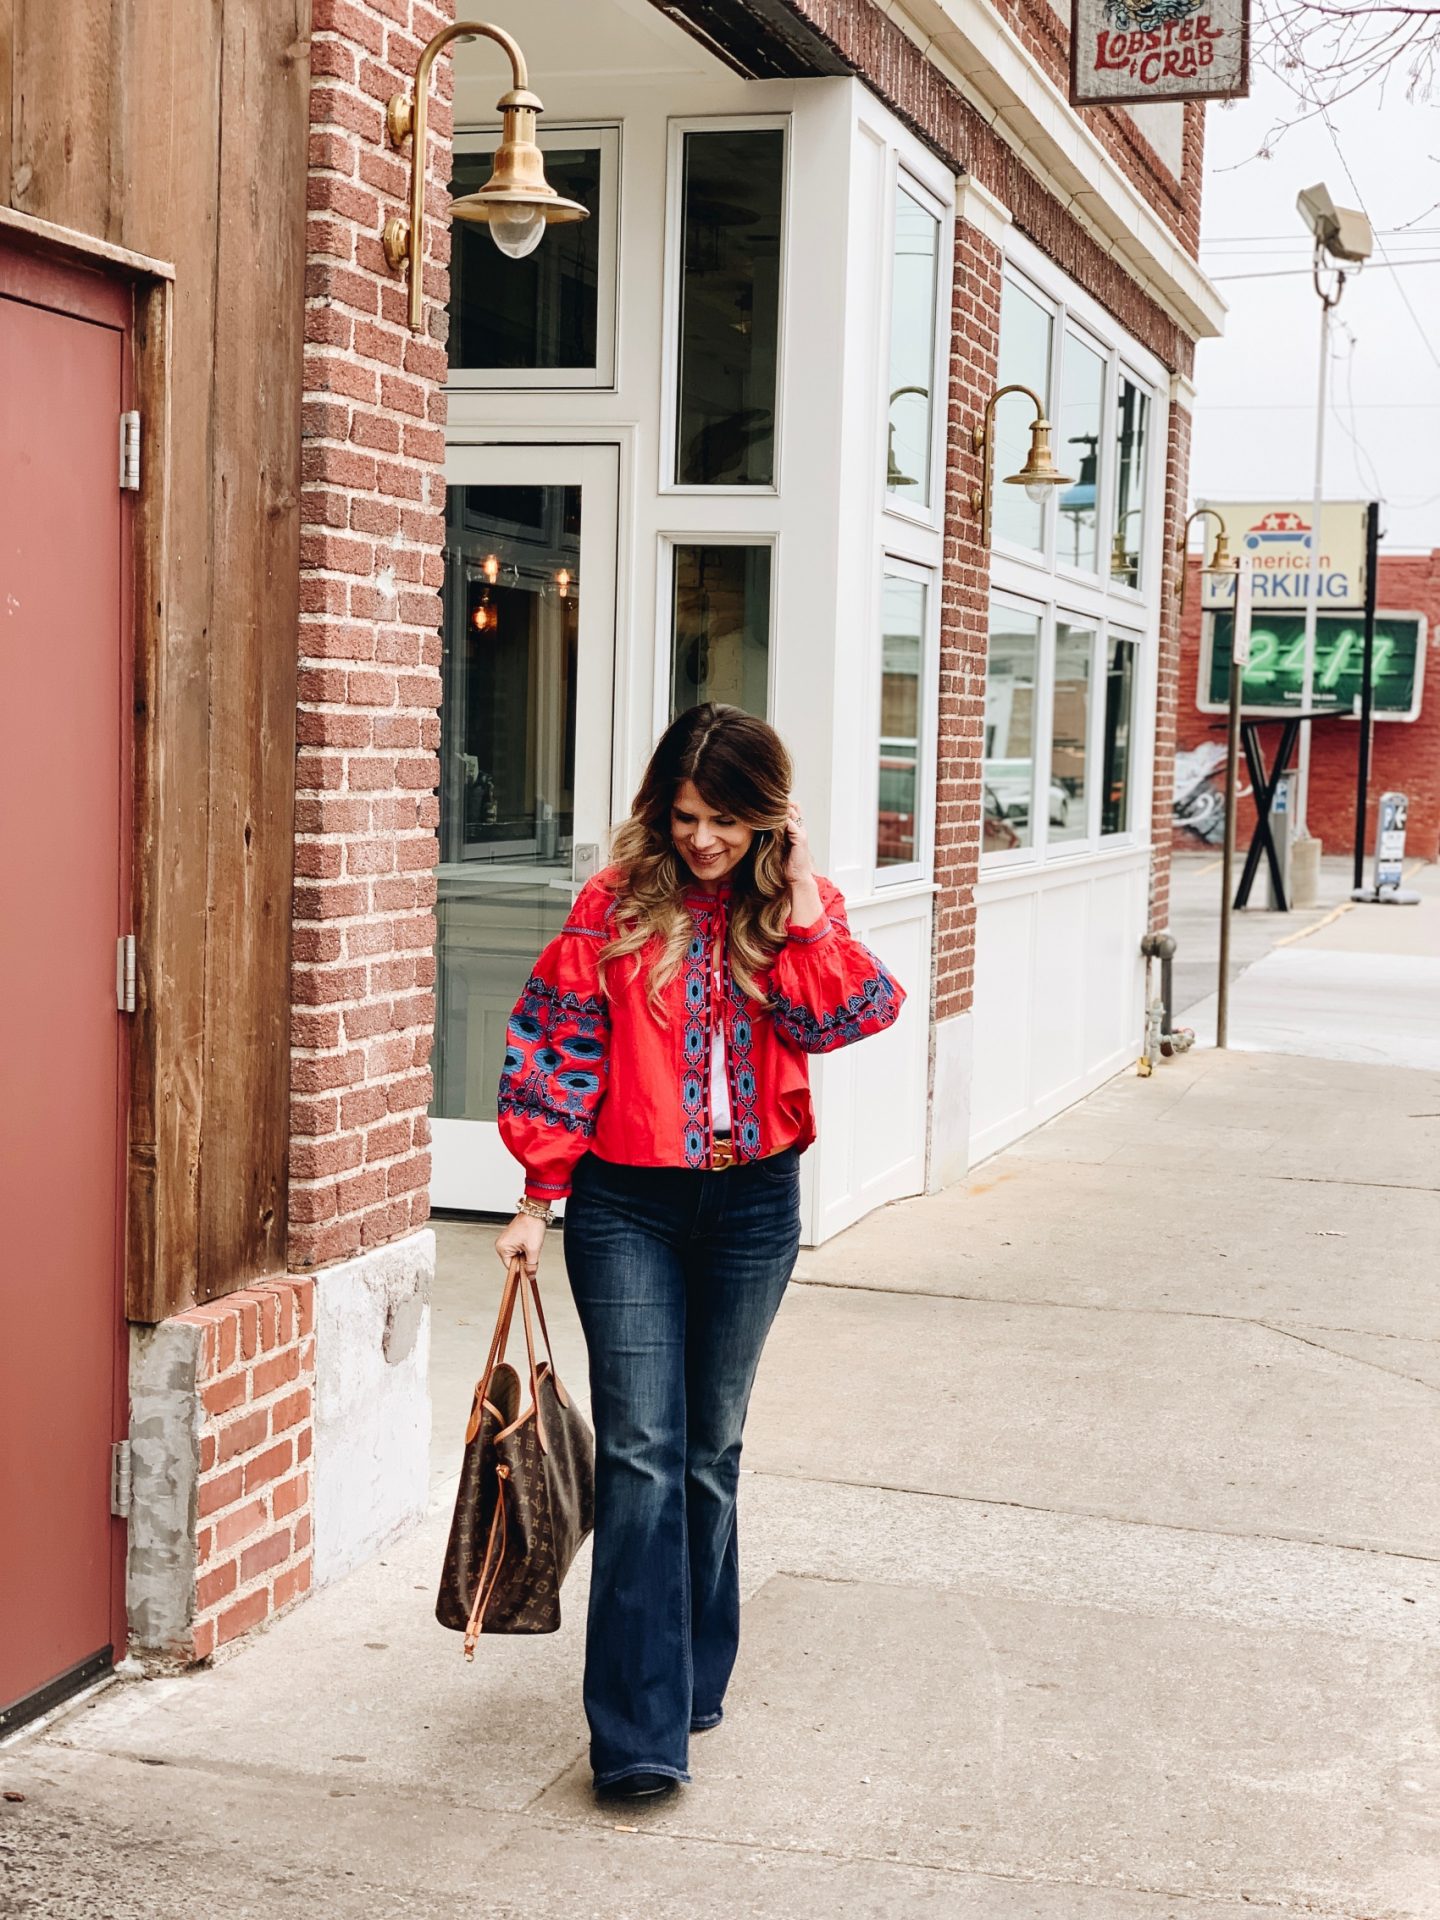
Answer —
(64, 652)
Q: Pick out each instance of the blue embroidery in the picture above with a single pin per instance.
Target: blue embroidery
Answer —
(744, 1122)
(695, 1082)
(869, 1011)
(556, 1041)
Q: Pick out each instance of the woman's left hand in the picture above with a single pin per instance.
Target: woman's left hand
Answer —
(799, 866)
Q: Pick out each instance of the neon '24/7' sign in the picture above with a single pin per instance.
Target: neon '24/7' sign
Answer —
(1275, 675)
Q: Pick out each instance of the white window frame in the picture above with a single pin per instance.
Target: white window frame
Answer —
(1105, 464)
(1128, 835)
(670, 355)
(665, 606)
(605, 137)
(1034, 581)
(894, 566)
(902, 180)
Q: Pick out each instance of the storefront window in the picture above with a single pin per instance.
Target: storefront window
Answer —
(732, 193)
(912, 350)
(1119, 709)
(721, 627)
(1131, 427)
(537, 321)
(902, 665)
(1025, 338)
(1082, 396)
(1070, 730)
(1009, 773)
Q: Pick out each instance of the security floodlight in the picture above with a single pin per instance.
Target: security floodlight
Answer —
(1344, 232)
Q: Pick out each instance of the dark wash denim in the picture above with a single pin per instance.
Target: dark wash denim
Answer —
(677, 1273)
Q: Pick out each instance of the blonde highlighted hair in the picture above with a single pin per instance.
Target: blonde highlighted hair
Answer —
(739, 766)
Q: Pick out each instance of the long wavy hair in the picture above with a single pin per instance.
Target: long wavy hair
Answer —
(739, 766)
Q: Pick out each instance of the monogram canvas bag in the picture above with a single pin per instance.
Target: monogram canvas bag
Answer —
(527, 1489)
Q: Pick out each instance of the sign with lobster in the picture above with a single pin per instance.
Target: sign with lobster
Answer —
(1129, 50)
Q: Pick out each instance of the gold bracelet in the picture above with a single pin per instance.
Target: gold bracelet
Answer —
(536, 1209)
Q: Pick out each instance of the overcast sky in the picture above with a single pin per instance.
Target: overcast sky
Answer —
(1255, 425)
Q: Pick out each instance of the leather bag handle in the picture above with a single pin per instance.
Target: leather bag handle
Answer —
(522, 1285)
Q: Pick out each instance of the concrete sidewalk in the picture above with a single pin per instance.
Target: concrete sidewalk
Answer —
(1349, 981)
(1091, 1527)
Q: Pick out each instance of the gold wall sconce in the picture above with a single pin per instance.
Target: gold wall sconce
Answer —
(1221, 559)
(516, 202)
(1039, 473)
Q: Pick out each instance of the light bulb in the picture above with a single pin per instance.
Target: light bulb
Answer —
(517, 231)
(1035, 492)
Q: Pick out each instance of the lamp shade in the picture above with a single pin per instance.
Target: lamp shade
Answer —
(1039, 470)
(517, 202)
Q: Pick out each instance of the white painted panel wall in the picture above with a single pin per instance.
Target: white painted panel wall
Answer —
(871, 1097)
(1059, 991)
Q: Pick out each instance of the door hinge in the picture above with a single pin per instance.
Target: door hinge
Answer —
(125, 973)
(129, 453)
(120, 1479)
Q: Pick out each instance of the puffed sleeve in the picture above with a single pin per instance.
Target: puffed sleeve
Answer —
(828, 989)
(557, 1051)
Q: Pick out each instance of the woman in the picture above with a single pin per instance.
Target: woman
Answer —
(656, 1078)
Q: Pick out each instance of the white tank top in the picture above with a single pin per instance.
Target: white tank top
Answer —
(719, 1086)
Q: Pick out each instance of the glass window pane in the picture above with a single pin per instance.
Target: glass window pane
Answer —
(902, 664)
(1131, 451)
(912, 350)
(1069, 731)
(1119, 706)
(1082, 393)
(541, 311)
(1010, 728)
(1025, 335)
(732, 193)
(507, 768)
(721, 627)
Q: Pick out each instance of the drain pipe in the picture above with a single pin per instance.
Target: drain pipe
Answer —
(1162, 1037)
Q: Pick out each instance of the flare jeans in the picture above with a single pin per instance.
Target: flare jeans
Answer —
(677, 1274)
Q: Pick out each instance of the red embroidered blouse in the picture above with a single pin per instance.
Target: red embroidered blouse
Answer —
(589, 1068)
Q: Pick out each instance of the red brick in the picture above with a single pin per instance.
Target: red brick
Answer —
(214, 1586)
(231, 1528)
(223, 1396)
(220, 1491)
(287, 1412)
(244, 1615)
(202, 1640)
(240, 1436)
(264, 1554)
(290, 1495)
(290, 1584)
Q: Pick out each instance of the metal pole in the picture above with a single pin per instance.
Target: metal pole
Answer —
(1239, 660)
(1367, 685)
(1300, 827)
(1227, 859)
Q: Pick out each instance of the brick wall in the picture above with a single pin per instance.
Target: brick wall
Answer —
(255, 1374)
(974, 351)
(367, 725)
(1169, 671)
(1406, 755)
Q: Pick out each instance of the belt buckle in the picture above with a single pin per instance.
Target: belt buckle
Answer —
(722, 1154)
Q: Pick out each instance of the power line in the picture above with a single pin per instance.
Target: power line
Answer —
(1303, 273)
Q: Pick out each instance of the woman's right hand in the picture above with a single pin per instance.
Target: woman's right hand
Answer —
(525, 1236)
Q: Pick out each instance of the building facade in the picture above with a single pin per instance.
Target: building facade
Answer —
(396, 618)
(1405, 753)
